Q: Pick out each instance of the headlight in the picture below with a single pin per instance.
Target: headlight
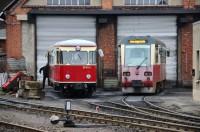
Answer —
(147, 73)
(88, 76)
(126, 73)
(67, 76)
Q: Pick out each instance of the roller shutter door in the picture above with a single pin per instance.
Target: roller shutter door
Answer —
(160, 27)
(51, 29)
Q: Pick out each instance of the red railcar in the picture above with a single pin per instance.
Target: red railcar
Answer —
(142, 64)
(73, 66)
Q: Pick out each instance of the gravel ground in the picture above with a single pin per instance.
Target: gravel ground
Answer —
(181, 101)
(53, 98)
(42, 122)
(175, 99)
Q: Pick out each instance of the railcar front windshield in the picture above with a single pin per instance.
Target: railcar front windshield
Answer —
(78, 57)
(137, 55)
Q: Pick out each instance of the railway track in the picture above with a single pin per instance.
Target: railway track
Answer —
(17, 128)
(131, 112)
(157, 110)
(102, 118)
(179, 114)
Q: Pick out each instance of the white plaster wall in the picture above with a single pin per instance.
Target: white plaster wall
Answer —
(28, 46)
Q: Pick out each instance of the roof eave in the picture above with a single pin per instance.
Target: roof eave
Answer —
(174, 11)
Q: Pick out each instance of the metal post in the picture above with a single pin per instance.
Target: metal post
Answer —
(68, 122)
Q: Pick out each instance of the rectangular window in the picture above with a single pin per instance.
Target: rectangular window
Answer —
(156, 54)
(127, 2)
(140, 2)
(55, 2)
(49, 2)
(137, 55)
(152, 2)
(52, 57)
(133, 2)
(92, 57)
(146, 2)
(62, 2)
(87, 2)
(65, 57)
(74, 57)
(162, 2)
(78, 57)
(74, 2)
(81, 2)
(68, 2)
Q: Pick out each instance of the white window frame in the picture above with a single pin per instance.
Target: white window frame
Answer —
(59, 3)
(155, 3)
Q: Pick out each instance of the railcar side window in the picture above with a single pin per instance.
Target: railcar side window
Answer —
(65, 57)
(92, 57)
(163, 55)
(52, 57)
(156, 55)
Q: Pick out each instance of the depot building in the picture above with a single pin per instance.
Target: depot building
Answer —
(34, 25)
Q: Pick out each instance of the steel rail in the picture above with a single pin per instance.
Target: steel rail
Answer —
(16, 127)
(148, 110)
(174, 113)
(145, 116)
(100, 118)
(161, 112)
(174, 126)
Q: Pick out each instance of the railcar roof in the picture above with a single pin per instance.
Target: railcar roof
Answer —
(75, 42)
(151, 40)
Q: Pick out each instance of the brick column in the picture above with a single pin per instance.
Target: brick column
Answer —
(186, 54)
(106, 39)
(13, 40)
(14, 30)
(107, 4)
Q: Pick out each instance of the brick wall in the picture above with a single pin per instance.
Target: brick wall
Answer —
(107, 4)
(186, 54)
(13, 43)
(106, 40)
(189, 3)
(14, 31)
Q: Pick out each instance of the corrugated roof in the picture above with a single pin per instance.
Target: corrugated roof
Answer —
(5, 4)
